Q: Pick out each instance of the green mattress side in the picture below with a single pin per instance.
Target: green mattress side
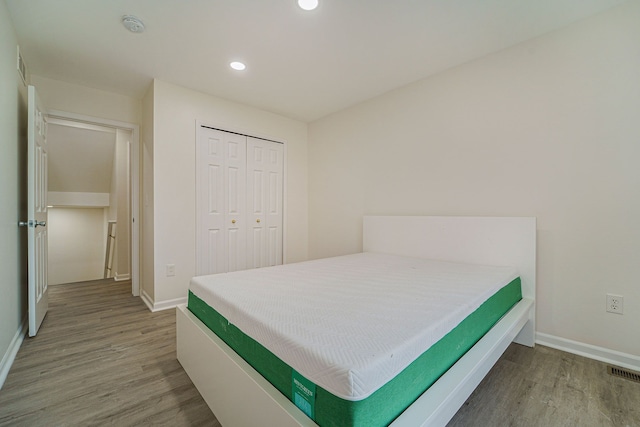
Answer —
(388, 402)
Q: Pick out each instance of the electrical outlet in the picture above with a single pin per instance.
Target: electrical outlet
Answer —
(171, 270)
(615, 303)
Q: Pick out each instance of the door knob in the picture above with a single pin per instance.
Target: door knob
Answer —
(258, 220)
(233, 221)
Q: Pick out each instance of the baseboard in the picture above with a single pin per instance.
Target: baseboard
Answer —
(623, 360)
(162, 305)
(166, 305)
(148, 301)
(121, 277)
(12, 351)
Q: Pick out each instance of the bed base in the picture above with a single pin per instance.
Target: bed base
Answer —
(239, 396)
(236, 393)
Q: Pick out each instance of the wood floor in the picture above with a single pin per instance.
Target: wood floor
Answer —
(544, 387)
(101, 358)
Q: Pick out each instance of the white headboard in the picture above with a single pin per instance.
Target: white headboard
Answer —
(474, 240)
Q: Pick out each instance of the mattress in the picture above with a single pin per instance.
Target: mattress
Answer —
(341, 336)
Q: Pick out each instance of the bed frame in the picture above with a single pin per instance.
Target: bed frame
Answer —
(239, 396)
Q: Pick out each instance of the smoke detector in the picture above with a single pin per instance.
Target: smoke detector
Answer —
(133, 24)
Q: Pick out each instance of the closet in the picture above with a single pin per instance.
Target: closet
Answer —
(239, 201)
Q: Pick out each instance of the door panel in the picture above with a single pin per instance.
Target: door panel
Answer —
(220, 201)
(37, 158)
(265, 164)
(274, 215)
(210, 224)
(236, 184)
(256, 250)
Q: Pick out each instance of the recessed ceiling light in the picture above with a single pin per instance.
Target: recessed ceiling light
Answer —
(133, 24)
(239, 66)
(308, 4)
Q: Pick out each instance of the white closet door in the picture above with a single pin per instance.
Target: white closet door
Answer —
(235, 173)
(210, 202)
(221, 201)
(264, 196)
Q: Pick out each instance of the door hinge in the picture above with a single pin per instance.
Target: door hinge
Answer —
(32, 223)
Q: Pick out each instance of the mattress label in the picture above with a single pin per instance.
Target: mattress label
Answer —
(304, 393)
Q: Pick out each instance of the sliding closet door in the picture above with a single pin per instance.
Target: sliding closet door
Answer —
(264, 196)
(220, 201)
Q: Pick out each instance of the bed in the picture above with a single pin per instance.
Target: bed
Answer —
(239, 396)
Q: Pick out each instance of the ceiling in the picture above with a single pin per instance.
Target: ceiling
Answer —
(303, 65)
(80, 158)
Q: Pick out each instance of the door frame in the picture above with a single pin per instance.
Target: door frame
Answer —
(134, 162)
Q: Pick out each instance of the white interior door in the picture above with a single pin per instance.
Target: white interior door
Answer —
(220, 206)
(264, 196)
(256, 201)
(37, 211)
(210, 219)
(235, 178)
(275, 203)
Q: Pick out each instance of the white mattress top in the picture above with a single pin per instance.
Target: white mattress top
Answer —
(352, 323)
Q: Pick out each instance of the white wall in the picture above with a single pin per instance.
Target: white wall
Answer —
(71, 98)
(549, 128)
(13, 285)
(75, 199)
(175, 111)
(77, 243)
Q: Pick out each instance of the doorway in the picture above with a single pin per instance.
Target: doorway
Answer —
(93, 180)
